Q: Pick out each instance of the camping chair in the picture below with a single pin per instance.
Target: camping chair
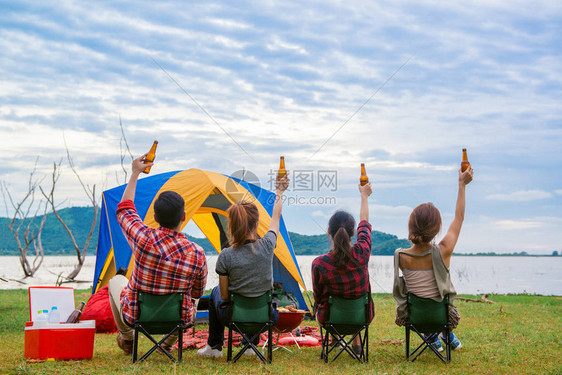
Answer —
(348, 317)
(250, 316)
(428, 318)
(159, 314)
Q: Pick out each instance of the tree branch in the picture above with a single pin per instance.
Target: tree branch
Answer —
(22, 212)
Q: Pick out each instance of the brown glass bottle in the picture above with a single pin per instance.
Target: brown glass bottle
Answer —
(464, 163)
(149, 158)
(282, 171)
(363, 180)
(76, 314)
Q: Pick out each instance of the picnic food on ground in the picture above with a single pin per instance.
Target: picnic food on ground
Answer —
(287, 309)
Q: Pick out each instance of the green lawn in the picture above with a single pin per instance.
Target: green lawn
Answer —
(519, 334)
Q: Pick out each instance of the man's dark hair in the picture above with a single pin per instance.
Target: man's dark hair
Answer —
(168, 209)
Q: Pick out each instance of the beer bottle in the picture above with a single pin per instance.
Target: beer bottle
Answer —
(282, 171)
(464, 163)
(76, 314)
(363, 180)
(149, 158)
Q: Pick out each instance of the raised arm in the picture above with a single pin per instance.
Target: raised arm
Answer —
(448, 242)
(281, 186)
(365, 192)
(137, 167)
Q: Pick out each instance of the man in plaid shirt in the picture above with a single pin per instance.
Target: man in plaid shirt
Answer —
(165, 260)
(344, 271)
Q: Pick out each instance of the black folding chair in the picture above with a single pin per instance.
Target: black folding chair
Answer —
(250, 317)
(347, 318)
(159, 314)
(428, 318)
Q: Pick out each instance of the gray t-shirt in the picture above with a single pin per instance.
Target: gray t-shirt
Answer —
(249, 267)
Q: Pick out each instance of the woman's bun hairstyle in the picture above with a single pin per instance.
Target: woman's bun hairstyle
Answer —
(424, 224)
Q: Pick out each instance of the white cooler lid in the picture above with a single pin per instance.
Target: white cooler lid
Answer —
(84, 324)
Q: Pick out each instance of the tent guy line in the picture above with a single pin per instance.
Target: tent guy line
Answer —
(201, 107)
(362, 105)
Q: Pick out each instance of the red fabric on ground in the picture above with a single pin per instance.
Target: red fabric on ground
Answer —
(99, 309)
(199, 340)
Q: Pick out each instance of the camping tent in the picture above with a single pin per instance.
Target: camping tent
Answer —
(207, 196)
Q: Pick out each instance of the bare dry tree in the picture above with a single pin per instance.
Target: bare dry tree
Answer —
(123, 149)
(25, 214)
(91, 194)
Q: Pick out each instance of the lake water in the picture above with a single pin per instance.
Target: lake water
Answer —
(470, 275)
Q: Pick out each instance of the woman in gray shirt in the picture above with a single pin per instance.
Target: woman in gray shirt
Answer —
(246, 267)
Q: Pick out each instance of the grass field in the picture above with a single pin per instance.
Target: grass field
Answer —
(519, 334)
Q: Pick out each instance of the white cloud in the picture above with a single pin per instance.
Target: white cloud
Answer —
(277, 44)
(521, 196)
(283, 86)
(516, 224)
(385, 211)
(319, 213)
(228, 23)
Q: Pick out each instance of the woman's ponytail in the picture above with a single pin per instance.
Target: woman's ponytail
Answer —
(341, 228)
(243, 219)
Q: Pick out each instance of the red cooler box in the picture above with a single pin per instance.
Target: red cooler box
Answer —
(57, 340)
(60, 341)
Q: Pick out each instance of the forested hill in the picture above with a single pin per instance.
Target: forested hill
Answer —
(57, 242)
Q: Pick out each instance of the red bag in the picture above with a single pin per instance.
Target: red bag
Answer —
(99, 309)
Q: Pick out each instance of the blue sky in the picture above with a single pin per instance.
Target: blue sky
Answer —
(281, 78)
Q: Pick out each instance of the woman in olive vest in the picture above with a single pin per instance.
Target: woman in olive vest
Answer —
(425, 265)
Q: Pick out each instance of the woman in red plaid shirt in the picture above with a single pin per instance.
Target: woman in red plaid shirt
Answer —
(343, 272)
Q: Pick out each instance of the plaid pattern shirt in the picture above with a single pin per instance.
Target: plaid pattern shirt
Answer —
(351, 281)
(165, 262)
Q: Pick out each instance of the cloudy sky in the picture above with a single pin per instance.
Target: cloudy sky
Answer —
(225, 86)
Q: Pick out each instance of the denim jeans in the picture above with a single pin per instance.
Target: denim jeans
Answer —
(218, 319)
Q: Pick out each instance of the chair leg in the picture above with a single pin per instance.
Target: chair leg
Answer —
(322, 341)
(249, 345)
(366, 346)
(407, 342)
(427, 340)
(448, 343)
(180, 342)
(426, 343)
(135, 344)
(157, 344)
(229, 349)
(270, 343)
(347, 344)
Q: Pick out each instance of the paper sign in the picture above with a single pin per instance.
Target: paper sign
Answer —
(44, 298)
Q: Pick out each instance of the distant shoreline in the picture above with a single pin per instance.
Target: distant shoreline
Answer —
(57, 242)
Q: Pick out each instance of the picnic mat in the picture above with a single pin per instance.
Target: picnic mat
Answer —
(199, 339)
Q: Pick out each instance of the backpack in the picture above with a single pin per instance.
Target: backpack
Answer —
(283, 298)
